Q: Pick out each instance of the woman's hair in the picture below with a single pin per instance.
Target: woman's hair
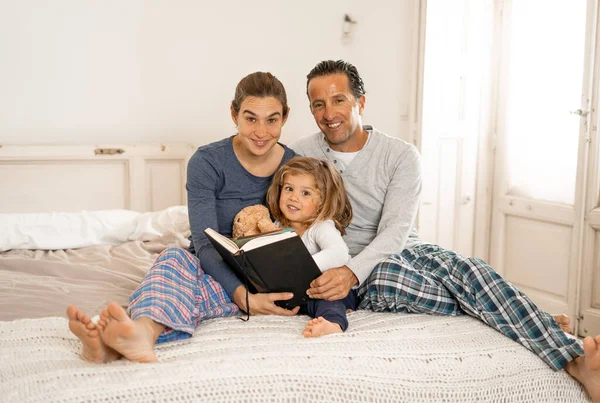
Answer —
(334, 203)
(259, 85)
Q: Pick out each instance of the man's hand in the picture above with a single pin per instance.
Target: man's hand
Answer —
(263, 304)
(333, 285)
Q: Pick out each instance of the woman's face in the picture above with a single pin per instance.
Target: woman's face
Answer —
(259, 124)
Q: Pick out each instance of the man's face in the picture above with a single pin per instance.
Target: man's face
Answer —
(336, 111)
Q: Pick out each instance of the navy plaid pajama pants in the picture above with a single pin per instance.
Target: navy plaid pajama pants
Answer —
(429, 279)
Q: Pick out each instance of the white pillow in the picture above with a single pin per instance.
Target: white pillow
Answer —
(87, 228)
(152, 225)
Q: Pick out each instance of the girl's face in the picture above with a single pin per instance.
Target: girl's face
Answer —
(259, 124)
(299, 199)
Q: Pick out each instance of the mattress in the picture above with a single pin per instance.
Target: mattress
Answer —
(382, 356)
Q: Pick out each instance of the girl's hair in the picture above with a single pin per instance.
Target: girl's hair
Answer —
(334, 203)
(259, 85)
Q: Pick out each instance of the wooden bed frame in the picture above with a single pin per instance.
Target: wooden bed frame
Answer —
(89, 177)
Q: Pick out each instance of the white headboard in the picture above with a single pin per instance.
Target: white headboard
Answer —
(74, 178)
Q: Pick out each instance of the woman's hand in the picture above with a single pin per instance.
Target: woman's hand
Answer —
(333, 284)
(263, 304)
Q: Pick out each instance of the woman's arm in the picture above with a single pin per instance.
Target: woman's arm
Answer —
(263, 304)
(203, 182)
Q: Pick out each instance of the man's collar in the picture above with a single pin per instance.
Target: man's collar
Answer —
(368, 128)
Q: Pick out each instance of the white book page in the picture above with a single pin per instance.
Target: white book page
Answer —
(223, 240)
(266, 240)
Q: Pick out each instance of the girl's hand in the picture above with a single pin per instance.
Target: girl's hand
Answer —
(263, 304)
(333, 285)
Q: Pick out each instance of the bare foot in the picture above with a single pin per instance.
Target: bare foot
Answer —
(134, 339)
(94, 349)
(320, 327)
(564, 322)
(586, 369)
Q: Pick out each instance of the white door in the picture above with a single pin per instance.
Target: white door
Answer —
(589, 304)
(455, 62)
(544, 95)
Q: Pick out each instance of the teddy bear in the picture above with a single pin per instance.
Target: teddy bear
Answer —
(253, 220)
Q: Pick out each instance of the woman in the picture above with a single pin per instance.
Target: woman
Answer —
(183, 288)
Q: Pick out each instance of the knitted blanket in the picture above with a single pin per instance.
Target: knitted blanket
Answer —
(382, 357)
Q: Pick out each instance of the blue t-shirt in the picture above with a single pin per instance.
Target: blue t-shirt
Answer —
(218, 187)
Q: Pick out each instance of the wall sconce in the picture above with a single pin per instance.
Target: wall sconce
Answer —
(347, 26)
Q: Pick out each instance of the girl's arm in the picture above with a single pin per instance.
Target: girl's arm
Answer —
(333, 250)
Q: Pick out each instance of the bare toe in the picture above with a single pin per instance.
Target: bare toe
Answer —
(134, 340)
(563, 322)
(93, 348)
(321, 327)
(72, 312)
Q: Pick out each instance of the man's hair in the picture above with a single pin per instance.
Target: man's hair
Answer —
(334, 203)
(329, 67)
(260, 85)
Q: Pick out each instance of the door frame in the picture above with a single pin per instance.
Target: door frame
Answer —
(588, 318)
(502, 204)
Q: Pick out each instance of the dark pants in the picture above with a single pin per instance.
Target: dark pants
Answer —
(333, 311)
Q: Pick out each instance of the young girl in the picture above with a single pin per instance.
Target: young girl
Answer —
(308, 195)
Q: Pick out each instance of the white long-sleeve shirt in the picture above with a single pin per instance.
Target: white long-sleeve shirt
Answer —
(326, 245)
(383, 182)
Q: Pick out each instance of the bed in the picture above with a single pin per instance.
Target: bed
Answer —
(50, 260)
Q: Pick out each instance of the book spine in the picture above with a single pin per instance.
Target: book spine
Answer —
(246, 284)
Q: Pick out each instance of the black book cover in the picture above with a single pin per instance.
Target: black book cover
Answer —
(282, 266)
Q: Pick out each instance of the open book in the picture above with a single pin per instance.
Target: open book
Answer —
(273, 262)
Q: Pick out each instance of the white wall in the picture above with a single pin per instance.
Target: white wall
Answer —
(132, 71)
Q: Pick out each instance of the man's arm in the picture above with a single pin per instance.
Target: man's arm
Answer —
(398, 215)
(399, 211)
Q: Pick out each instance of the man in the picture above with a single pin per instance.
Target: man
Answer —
(394, 270)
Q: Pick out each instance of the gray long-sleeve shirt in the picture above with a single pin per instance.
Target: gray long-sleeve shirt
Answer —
(383, 182)
(218, 187)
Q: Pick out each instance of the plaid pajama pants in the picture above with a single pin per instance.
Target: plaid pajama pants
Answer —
(178, 294)
(429, 279)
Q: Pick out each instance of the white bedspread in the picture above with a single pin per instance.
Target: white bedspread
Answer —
(382, 357)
